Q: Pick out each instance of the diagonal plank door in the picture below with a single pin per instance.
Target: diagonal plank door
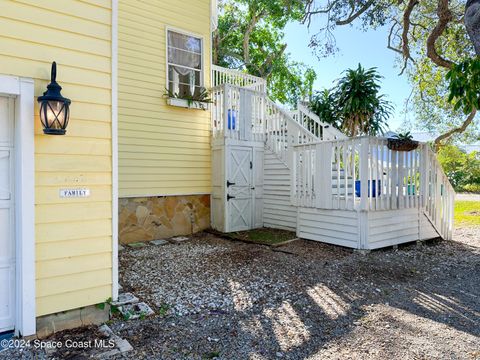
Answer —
(239, 189)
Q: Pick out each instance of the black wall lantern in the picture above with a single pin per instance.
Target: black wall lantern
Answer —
(54, 108)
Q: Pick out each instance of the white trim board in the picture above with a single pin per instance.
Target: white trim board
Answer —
(23, 91)
(114, 149)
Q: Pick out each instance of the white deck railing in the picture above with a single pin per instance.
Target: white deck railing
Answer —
(363, 174)
(222, 76)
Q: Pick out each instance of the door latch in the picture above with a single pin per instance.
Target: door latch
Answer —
(230, 197)
(230, 183)
(251, 165)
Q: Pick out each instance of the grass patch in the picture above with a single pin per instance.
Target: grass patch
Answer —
(467, 213)
(264, 236)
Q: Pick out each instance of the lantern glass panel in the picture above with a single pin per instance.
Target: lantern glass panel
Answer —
(53, 114)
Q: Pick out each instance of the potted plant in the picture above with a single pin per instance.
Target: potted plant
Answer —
(198, 100)
(402, 142)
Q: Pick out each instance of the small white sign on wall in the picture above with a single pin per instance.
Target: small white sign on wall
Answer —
(74, 193)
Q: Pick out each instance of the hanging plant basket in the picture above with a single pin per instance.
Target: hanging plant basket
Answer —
(402, 144)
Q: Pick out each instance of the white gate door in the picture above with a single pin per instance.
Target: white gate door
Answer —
(7, 237)
(239, 188)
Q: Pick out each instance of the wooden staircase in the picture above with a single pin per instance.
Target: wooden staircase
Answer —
(311, 170)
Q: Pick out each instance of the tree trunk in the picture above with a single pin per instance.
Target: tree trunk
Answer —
(472, 23)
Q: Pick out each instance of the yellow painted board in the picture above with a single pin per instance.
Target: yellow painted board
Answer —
(72, 230)
(136, 155)
(66, 179)
(166, 171)
(165, 183)
(89, 129)
(164, 177)
(78, 247)
(45, 54)
(54, 19)
(42, 35)
(73, 163)
(170, 143)
(164, 163)
(73, 300)
(72, 265)
(128, 123)
(77, 83)
(76, 8)
(69, 145)
(107, 4)
(163, 191)
(164, 150)
(73, 211)
(164, 112)
(69, 283)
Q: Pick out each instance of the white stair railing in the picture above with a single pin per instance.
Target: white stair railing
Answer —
(243, 114)
(310, 121)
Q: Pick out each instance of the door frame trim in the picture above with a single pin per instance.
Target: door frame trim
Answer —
(23, 91)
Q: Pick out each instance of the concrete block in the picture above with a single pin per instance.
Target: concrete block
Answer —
(179, 239)
(159, 242)
(135, 311)
(125, 298)
(90, 315)
(137, 245)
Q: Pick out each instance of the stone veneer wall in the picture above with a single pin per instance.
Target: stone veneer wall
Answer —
(152, 218)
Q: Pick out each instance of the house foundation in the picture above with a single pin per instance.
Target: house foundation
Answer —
(151, 218)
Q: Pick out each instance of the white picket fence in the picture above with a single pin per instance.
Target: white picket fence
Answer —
(362, 174)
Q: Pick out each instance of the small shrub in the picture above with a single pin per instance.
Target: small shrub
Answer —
(473, 188)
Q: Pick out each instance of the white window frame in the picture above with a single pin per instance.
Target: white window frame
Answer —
(202, 55)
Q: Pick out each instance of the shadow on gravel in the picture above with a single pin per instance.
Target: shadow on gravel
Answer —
(328, 293)
(294, 303)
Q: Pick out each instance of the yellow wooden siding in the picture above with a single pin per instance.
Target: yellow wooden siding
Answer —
(73, 236)
(163, 150)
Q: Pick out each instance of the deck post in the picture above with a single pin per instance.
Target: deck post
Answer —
(364, 174)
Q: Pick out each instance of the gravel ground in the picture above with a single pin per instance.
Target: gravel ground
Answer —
(305, 300)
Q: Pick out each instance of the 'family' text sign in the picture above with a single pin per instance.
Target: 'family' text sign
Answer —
(74, 193)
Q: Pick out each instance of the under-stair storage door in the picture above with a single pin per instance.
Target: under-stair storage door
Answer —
(239, 189)
(7, 238)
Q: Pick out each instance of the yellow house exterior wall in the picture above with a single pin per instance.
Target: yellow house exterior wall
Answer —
(73, 236)
(163, 150)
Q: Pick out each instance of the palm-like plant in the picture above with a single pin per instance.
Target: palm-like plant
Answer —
(360, 108)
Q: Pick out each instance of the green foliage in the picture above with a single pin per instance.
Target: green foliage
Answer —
(462, 169)
(438, 103)
(354, 104)
(200, 98)
(250, 38)
(323, 104)
(464, 85)
(405, 136)
(473, 188)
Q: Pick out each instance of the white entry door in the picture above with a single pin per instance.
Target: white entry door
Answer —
(239, 188)
(7, 235)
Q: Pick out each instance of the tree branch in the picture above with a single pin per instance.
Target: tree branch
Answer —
(444, 17)
(353, 15)
(246, 40)
(458, 130)
(406, 28)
